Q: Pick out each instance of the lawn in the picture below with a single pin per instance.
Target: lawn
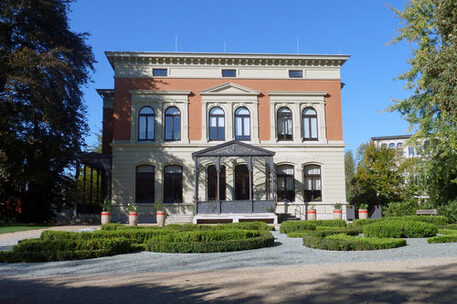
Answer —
(19, 227)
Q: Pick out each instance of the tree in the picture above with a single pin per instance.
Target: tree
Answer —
(43, 66)
(349, 170)
(431, 26)
(380, 177)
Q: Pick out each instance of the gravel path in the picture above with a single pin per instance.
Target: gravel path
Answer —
(287, 251)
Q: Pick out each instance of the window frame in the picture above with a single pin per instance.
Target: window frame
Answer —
(178, 195)
(137, 182)
(309, 117)
(300, 73)
(287, 193)
(312, 177)
(173, 117)
(229, 70)
(217, 116)
(285, 117)
(243, 137)
(153, 126)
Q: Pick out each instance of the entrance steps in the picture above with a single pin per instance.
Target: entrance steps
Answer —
(282, 217)
(179, 219)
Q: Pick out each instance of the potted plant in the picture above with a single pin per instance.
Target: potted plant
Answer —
(133, 214)
(160, 213)
(311, 213)
(337, 211)
(363, 211)
(106, 212)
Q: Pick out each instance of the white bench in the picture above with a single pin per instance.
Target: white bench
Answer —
(426, 212)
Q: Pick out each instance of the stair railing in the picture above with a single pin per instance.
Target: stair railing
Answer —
(298, 210)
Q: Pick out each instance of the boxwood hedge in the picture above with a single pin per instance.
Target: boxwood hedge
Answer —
(193, 227)
(437, 220)
(291, 226)
(344, 242)
(400, 229)
(263, 239)
(325, 232)
(448, 236)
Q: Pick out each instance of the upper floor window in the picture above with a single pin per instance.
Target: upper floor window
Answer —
(286, 183)
(295, 74)
(312, 181)
(216, 124)
(159, 72)
(172, 124)
(399, 145)
(411, 151)
(392, 145)
(228, 73)
(384, 145)
(146, 124)
(309, 124)
(242, 124)
(285, 124)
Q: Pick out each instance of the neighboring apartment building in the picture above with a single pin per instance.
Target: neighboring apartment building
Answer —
(261, 130)
(398, 142)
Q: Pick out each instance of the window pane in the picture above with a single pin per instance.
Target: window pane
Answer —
(238, 126)
(228, 73)
(280, 126)
(168, 127)
(159, 72)
(150, 127)
(306, 131)
(212, 121)
(295, 73)
(177, 129)
(313, 128)
(309, 111)
(144, 184)
(242, 111)
(212, 132)
(221, 121)
(247, 129)
(142, 127)
(289, 126)
(216, 111)
(146, 110)
(172, 111)
(392, 145)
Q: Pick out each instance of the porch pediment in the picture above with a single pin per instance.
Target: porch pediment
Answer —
(229, 88)
(233, 148)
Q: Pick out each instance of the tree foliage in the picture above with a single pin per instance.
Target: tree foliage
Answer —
(349, 170)
(431, 27)
(43, 66)
(380, 177)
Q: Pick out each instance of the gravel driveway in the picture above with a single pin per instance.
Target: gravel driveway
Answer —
(287, 251)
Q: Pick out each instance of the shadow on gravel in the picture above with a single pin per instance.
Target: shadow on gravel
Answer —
(276, 244)
(425, 285)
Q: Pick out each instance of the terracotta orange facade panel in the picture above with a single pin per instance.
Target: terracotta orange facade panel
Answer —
(122, 101)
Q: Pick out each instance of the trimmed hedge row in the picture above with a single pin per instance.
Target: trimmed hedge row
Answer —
(193, 227)
(324, 232)
(437, 220)
(37, 250)
(400, 229)
(264, 239)
(291, 226)
(449, 236)
(344, 242)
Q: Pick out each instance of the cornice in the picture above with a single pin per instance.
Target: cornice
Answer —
(221, 59)
(158, 92)
(291, 93)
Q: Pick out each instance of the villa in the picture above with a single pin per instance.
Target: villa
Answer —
(224, 137)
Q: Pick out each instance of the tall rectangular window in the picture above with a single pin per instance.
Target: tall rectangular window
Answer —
(144, 184)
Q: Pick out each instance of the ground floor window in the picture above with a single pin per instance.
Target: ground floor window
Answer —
(144, 184)
(242, 182)
(285, 183)
(172, 184)
(212, 183)
(313, 185)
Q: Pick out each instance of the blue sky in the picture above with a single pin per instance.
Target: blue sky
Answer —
(359, 28)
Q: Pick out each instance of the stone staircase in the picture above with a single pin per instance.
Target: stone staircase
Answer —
(179, 219)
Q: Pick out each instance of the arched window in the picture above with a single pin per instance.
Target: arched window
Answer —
(144, 184)
(146, 124)
(172, 124)
(399, 145)
(384, 145)
(216, 124)
(242, 124)
(212, 183)
(313, 185)
(286, 183)
(309, 116)
(392, 145)
(172, 184)
(284, 124)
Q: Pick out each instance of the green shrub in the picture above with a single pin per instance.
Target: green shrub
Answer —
(344, 242)
(437, 220)
(193, 227)
(206, 236)
(330, 223)
(400, 229)
(325, 232)
(448, 226)
(37, 250)
(407, 207)
(264, 239)
(291, 226)
(449, 210)
(449, 236)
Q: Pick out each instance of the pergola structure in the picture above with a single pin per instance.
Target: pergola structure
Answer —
(217, 155)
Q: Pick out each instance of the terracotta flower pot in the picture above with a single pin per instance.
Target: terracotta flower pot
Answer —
(363, 214)
(337, 214)
(133, 218)
(106, 217)
(160, 218)
(311, 215)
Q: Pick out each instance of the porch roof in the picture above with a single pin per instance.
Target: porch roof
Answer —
(233, 148)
